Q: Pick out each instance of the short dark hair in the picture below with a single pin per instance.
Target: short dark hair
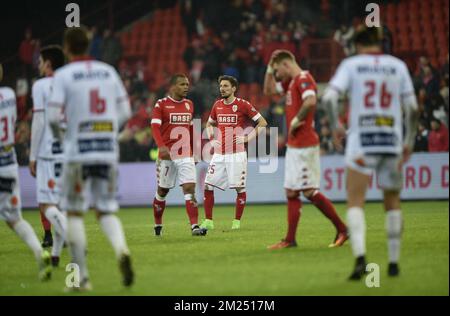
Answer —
(76, 39)
(54, 54)
(232, 80)
(368, 36)
(174, 79)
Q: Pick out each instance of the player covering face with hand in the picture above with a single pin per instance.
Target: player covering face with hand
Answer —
(228, 167)
(302, 169)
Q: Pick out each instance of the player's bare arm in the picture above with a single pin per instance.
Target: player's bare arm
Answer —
(270, 82)
(308, 105)
(411, 124)
(331, 101)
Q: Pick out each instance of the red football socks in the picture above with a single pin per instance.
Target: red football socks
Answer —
(209, 204)
(192, 211)
(294, 205)
(158, 210)
(240, 204)
(45, 223)
(327, 208)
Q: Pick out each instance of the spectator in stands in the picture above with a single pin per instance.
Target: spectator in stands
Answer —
(26, 50)
(111, 48)
(387, 40)
(438, 137)
(444, 84)
(95, 44)
(344, 36)
(421, 143)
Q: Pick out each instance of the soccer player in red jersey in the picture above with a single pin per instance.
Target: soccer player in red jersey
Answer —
(302, 170)
(172, 131)
(228, 167)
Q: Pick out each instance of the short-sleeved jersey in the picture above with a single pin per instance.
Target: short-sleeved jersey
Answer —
(175, 118)
(297, 90)
(94, 100)
(376, 84)
(49, 147)
(8, 115)
(232, 120)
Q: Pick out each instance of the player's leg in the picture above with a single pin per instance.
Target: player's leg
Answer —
(103, 185)
(74, 200)
(215, 178)
(10, 212)
(292, 174)
(47, 241)
(326, 207)
(48, 173)
(237, 178)
(166, 173)
(357, 183)
(390, 179)
(294, 205)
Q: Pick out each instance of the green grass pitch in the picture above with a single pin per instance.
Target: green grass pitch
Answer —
(237, 263)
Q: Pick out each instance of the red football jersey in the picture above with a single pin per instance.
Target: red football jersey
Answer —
(297, 90)
(175, 118)
(231, 120)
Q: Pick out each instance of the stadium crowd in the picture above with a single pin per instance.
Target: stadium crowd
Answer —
(233, 38)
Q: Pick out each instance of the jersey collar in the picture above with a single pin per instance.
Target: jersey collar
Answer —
(82, 58)
(172, 99)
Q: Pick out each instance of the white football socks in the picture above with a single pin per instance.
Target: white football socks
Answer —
(112, 228)
(394, 223)
(24, 230)
(357, 228)
(76, 236)
(59, 223)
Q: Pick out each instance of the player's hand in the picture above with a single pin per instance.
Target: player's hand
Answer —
(295, 125)
(32, 166)
(241, 140)
(215, 144)
(164, 153)
(338, 137)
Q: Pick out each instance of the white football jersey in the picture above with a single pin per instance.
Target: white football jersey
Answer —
(377, 85)
(50, 147)
(8, 115)
(93, 99)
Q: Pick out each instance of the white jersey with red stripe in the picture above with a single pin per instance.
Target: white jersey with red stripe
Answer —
(377, 85)
(49, 147)
(8, 116)
(95, 103)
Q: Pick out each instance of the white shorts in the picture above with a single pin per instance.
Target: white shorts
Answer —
(387, 168)
(168, 171)
(302, 169)
(48, 176)
(81, 181)
(10, 204)
(227, 171)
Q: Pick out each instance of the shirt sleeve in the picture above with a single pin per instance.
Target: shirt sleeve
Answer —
(307, 87)
(38, 97)
(251, 112)
(58, 94)
(341, 79)
(213, 115)
(407, 92)
(157, 114)
(122, 100)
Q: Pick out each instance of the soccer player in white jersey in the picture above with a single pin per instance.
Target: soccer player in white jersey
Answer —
(95, 104)
(10, 207)
(380, 87)
(46, 151)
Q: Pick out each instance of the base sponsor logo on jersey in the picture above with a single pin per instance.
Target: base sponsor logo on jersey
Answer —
(180, 118)
(230, 119)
